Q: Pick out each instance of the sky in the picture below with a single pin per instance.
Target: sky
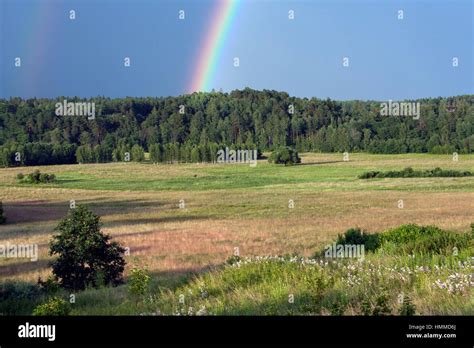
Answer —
(389, 57)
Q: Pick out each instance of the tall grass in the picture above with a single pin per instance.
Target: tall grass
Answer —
(411, 264)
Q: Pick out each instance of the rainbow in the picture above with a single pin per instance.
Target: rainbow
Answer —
(42, 22)
(212, 46)
(41, 27)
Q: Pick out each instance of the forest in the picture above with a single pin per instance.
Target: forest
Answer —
(191, 128)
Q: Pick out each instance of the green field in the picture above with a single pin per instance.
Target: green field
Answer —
(238, 207)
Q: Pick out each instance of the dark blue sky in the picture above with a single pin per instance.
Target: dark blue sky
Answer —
(389, 58)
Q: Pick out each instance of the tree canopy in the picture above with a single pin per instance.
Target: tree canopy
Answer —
(175, 127)
(86, 256)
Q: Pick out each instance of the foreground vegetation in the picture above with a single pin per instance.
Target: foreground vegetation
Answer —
(413, 270)
(228, 205)
(421, 270)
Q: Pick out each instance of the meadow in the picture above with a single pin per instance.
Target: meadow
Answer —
(183, 221)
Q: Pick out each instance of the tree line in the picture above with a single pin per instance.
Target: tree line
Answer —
(32, 154)
(262, 119)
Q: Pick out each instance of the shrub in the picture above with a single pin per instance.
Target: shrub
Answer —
(2, 216)
(336, 303)
(49, 286)
(357, 236)
(44, 177)
(369, 175)
(55, 306)
(233, 260)
(407, 233)
(425, 240)
(408, 239)
(284, 155)
(18, 290)
(410, 173)
(36, 177)
(407, 308)
(381, 305)
(18, 298)
(86, 255)
(366, 307)
(139, 281)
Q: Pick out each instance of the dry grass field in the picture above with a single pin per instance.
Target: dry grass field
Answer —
(230, 206)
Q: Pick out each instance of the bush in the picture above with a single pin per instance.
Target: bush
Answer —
(336, 303)
(410, 173)
(233, 260)
(18, 298)
(36, 177)
(49, 286)
(408, 239)
(55, 306)
(44, 177)
(17, 290)
(284, 155)
(139, 281)
(407, 308)
(381, 305)
(369, 175)
(412, 239)
(86, 255)
(408, 233)
(357, 236)
(2, 217)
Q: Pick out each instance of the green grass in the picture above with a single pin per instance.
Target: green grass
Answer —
(237, 205)
(265, 287)
(436, 282)
(319, 172)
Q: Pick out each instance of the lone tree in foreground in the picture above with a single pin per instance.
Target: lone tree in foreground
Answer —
(86, 255)
(2, 217)
(284, 155)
